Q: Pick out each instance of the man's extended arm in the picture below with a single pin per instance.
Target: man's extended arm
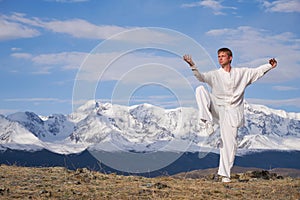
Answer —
(257, 73)
(189, 60)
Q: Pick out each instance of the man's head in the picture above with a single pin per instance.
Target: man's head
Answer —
(225, 50)
(224, 56)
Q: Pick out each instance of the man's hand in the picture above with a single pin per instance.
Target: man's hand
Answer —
(189, 60)
(273, 62)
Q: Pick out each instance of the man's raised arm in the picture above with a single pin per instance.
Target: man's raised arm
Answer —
(189, 60)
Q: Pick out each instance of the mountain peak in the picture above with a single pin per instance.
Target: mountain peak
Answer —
(268, 111)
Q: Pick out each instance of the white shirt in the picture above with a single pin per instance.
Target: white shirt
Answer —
(228, 87)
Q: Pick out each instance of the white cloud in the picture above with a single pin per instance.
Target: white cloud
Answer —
(43, 70)
(282, 5)
(216, 6)
(15, 49)
(97, 63)
(80, 28)
(276, 102)
(7, 111)
(12, 30)
(256, 46)
(21, 18)
(65, 60)
(93, 64)
(37, 100)
(218, 32)
(83, 29)
(46, 62)
(284, 88)
(75, 27)
(22, 55)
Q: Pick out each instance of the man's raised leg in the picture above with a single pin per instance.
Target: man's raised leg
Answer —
(203, 101)
(204, 104)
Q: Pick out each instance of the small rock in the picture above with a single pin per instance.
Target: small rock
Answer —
(156, 185)
(76, 192)
(79, 171)
(4, 191)
(160, 185)
(45, 192)
(279, 177)
(148, 185)
(77, 182)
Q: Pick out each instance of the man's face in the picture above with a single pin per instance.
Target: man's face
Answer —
(224, 59)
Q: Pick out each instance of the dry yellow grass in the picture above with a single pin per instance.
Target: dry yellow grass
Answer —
(60, 183)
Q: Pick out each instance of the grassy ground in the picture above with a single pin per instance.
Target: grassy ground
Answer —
(60, 183)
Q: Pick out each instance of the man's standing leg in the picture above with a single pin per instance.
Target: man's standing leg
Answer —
(229, 146)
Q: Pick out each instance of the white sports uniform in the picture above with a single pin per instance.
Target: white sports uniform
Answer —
(225, 105)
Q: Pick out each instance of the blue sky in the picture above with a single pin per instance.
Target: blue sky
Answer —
(48, 45)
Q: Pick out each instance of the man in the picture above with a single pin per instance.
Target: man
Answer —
(225, 103)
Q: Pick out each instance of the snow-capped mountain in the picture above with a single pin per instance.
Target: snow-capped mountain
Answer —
(143, 128)
(27, 131)
(267, 128)
(51, 128)
(14, 135)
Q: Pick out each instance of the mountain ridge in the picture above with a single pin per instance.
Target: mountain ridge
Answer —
(144, 128)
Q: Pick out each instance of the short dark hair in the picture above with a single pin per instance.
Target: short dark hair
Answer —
(226, 50)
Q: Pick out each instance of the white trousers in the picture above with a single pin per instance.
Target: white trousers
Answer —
(208, 110)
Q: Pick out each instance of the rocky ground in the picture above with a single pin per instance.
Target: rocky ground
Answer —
(61, 183)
